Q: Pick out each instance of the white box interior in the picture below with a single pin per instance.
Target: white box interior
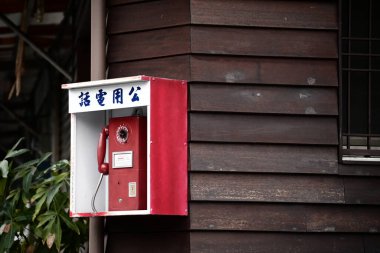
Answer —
(86, 128)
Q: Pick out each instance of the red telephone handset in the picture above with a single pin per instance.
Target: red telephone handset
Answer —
(102, 166)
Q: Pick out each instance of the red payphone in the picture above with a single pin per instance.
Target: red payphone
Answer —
(142, 152)
(127, 167)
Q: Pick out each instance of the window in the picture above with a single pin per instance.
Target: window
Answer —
(360, 80)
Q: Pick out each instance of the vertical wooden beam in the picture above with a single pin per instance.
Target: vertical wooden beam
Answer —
(98, 56)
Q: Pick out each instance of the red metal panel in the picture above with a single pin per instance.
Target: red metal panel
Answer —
(168, 154)
(120, 196)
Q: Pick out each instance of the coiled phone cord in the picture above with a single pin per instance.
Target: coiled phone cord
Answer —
(96, 192)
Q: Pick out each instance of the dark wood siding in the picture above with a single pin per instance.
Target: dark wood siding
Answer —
(265, 188)
(207, 127)
(269, 158)
(263, 42)
(263, 99)
(146, 15)
(263, 70)
(266, 13)
(284, 217)
(223, 242)
(263, 112)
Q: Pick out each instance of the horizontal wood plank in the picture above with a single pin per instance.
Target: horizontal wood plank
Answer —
(284, 217)
(234, 70)
(362, 190)
(372, 243)
(266, 13)
(263, 99)
(263, 129)
(265, 188)
(177, 67)
(264, 42)
(263, 158)
(157, 242)
(264, 70)
(119, 2)
(359, 169)
(146, 223)
(247, 217)
(226, 242)
(148, 15)
(343, 218)
(214, 40)
(150, 44)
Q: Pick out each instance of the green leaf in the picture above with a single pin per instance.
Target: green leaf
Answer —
(49, 227)
(21, 218)
(52, 192)
(43, 158)
(59, 178)
(39, 206)
(25, 199)
(27, 180)
(40, 191)
(4, 166)
(62, 165)
(15, 153)
(47, 213)
(3, 184)
(61, 201)
(7, 239)
(58, 235)
(17, 143)
(27, 164)
(15, 198)
(44, 218)
(39, 233)
(14, 147)
(24, 169)
(12, 193)
(69, 222)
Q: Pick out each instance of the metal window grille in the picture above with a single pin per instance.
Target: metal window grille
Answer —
(360, 80)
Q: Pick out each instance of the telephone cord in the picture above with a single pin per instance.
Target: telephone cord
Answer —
(96, 192)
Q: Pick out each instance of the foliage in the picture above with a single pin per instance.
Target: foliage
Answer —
(34, 207)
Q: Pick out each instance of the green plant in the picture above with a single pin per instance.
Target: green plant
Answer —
(34, 207)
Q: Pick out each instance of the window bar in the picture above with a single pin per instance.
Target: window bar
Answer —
(361, 70)
(360, 54)
(340, 64)
(349, 79)
(359, 39)
(369, 76)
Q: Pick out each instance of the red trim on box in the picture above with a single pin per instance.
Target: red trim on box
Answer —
(72, 214)
(168, 153)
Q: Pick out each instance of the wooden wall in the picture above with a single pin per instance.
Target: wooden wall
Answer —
(263, 112)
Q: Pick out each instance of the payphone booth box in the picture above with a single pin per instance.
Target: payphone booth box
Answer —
(128, 147)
